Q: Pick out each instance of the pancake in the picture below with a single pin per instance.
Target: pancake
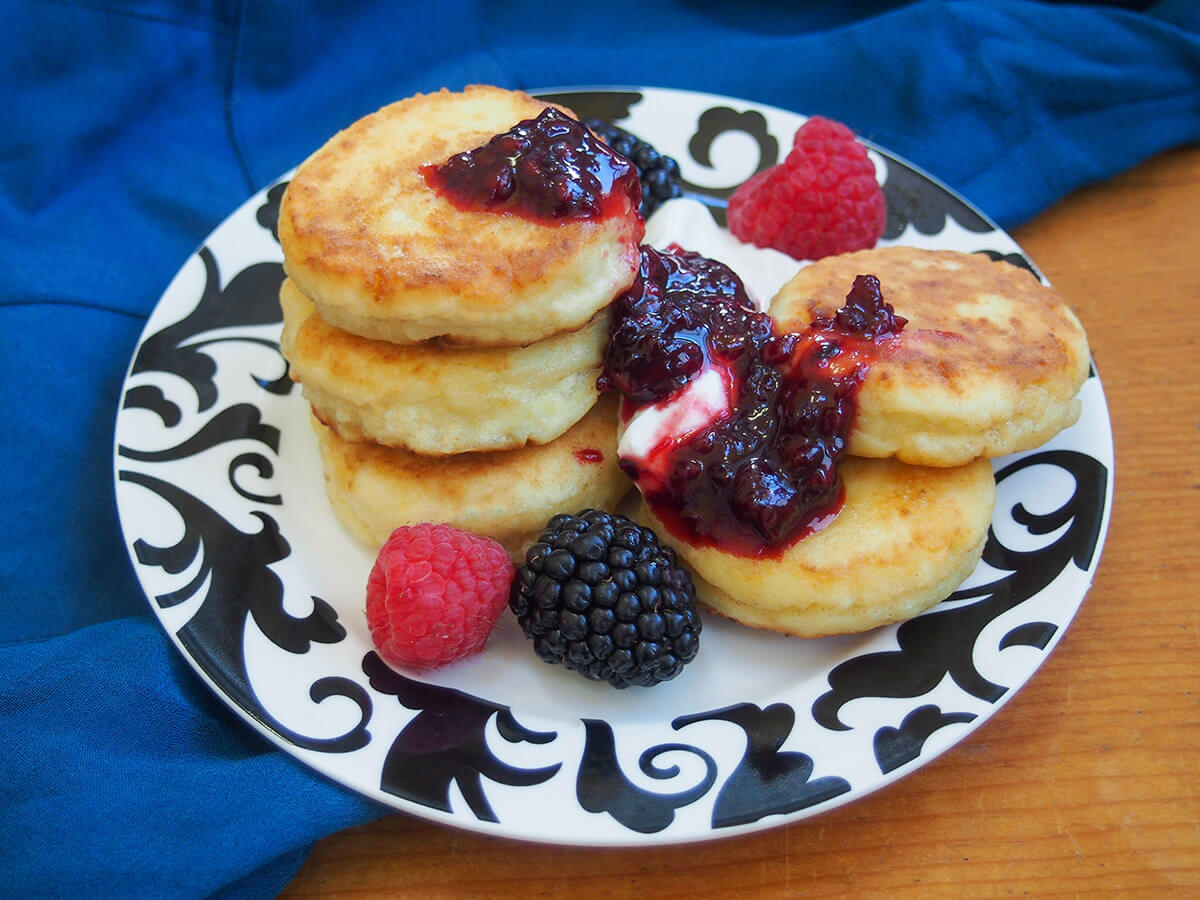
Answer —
(508, 495)
(385, 256)
(990, 362)
(437, 400)
(905, 539)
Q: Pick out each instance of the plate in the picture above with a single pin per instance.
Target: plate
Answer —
(221, 502)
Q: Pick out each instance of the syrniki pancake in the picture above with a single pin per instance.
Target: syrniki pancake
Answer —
(508, 495)
(386, 256)
(905, 539)
(432, 399)
(990, 362)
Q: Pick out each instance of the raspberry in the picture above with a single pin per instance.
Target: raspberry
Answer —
(435, 594)
(821, 200)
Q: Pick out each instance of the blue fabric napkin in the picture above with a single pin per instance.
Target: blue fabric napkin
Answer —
(133, 127)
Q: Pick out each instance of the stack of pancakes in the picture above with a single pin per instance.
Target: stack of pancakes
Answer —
(990, 362)
(449, 356)
(450, 360)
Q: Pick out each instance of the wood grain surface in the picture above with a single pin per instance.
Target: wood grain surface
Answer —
(1087, 782)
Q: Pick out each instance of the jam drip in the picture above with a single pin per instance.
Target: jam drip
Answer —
(765, 475)
(547, 169)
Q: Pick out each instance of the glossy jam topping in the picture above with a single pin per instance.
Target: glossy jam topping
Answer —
(589, 455)
(682, 312)
(763, 472)
(547, 169)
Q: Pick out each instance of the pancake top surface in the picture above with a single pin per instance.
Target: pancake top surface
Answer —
(374, 245)
(987, 349)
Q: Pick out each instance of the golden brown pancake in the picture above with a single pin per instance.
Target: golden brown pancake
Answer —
(508, 495)
(990, 362)
(383, 255)
(906, 537)
(432, 399)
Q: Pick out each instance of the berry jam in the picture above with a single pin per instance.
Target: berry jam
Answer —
(682, 312)
(765, 474)
(547, 169)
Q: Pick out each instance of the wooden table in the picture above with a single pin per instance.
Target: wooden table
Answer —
(1088, 782)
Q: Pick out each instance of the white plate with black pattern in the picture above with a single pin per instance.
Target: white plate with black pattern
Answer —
(222, 505)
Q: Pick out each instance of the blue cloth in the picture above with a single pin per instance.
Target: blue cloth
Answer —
(133, 127)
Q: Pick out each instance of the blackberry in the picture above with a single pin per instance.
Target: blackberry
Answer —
(658, 174)
(600, 595)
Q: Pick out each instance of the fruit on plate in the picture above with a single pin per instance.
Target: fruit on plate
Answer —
(821, 200)
(435, 594)
(600, 595)
(658, 174)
